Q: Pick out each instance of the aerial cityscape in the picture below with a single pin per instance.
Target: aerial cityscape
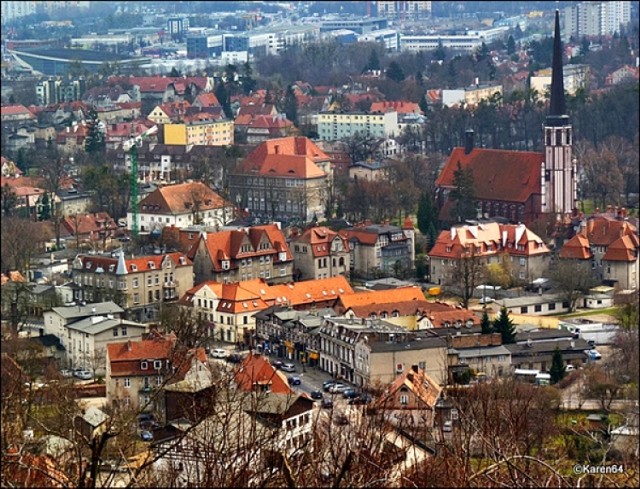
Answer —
(385, 243)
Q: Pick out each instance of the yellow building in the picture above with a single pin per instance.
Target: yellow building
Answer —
(206, 132)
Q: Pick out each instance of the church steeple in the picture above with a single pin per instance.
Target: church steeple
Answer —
(558, 170)
(557, 77)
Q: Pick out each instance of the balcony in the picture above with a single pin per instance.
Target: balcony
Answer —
(170, 285)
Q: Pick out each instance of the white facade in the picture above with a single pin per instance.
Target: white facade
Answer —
(333, 126)
(148, 222)
(389, 37)
(12, 10)
(593, 19)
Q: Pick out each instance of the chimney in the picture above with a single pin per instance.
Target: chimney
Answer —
(468, 141)
(414, 368)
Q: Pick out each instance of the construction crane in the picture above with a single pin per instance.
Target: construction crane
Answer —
(131, 147)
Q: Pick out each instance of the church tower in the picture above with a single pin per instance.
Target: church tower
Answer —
(559, 187)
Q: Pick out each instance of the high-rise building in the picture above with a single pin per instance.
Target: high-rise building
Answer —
(15, 9)
(408, 8)
(590, 19)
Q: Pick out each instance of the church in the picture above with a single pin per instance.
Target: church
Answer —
(520, 186)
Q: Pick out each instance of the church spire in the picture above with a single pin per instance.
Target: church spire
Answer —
(557, 77)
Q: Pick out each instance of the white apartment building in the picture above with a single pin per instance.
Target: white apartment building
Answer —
(592, 19)
(333, 126)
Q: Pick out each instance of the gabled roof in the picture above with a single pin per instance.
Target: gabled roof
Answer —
(320, 239)
(415, 380)
(577, 248)
(405, 300)
(207, 100)
(157, 348)
(491, 238)
(8, 110)
(293, 157)
(181, 199)
(512, 176)
(255, 370)
(89, 223)
(226, 245)
(623, 249)
(310, 291)
(603, 230)
(257, 109)
(93, 263)
(99, 308)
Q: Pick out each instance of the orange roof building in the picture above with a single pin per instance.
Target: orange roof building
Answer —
(182, 205)
(320, 252)
(527, 253)
(258, 252)
(256, 374)
(298, 175)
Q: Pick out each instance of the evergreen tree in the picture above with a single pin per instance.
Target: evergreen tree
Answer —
(558, 369)
(223, 97)
(248, 82)
(463, 194)
(485, 323)
(44, 213)
(290, 105)
(427, 217)
(511, 45)
(394, 72)
(505, 326)
(424, 106)
(94, 143)
(373, 63)
(175, 73)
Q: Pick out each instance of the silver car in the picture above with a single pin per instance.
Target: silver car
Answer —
(83, 374)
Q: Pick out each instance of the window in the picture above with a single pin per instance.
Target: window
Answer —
(404, 399)
(144, 365)
(124, 331)
(157, 364)
(552, 306)
(135, 283)
(524, 310)
(454, 413)
(537, 308)
(523, 261)
(115, 331)
(127, 382)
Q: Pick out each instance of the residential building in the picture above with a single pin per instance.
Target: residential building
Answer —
(378, 361)
(410, 400)
(10, 113)
(357, 25)
(286, 179)
(608, 244)
(521, 186)
(623, 75)
(99, 225)
(229, 309)
(320, 252)
(526, 254)
(494, 361)
(182, 205)
(137, 369)
(471, 96)
(533, 305)
(539, 355)
(242, 254)
(370, 171)
(380, 248)
(402, 8)
(334, 126)
(595, 19)
(576, 77)
(56, 320)
(56, 90)
(402, 306)
(169, 112)
(140, 284)
(86, 340)
(201, 129)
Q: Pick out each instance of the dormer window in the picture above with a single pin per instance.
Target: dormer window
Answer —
(448, 249)
(282, 256)
(182, 260)
(112, 268)
(152, 265)
(88, 265)
(134, 268)
(157, 364)
(144, 365)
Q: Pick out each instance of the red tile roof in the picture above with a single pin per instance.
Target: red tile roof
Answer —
(401, 106)
(134, 265)
(310, 291)
(179, 199)
(8, 110)
(207, 100)
(602, 230)
(410, 299)
(577, 248)
(89, 223)
(320, 239)
(623, 249)
(512, 176)
(24, 469)
(426, 390)
(255, 370)
(226, 245)
(158, 83)
(492, 238)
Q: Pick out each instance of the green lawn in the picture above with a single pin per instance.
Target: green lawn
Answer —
(609, 310)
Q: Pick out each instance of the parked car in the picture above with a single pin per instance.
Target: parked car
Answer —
(233, 358)
(277, 364)
(350, 393)
(316, 395)
(360, 400)
(293, 380)
(83, 374)
(326, 385)
(146, 435)
(447, 426)
(219, 353)
(147, 421)
(485, 300)
(337, 388)
(327, 403)
(594, 354)
(288, 367)
(66, 373)
(569, 368)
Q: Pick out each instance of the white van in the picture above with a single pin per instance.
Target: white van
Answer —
(219, 353)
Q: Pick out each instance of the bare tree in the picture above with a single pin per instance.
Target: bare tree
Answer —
(574, 279)
(467, 273)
